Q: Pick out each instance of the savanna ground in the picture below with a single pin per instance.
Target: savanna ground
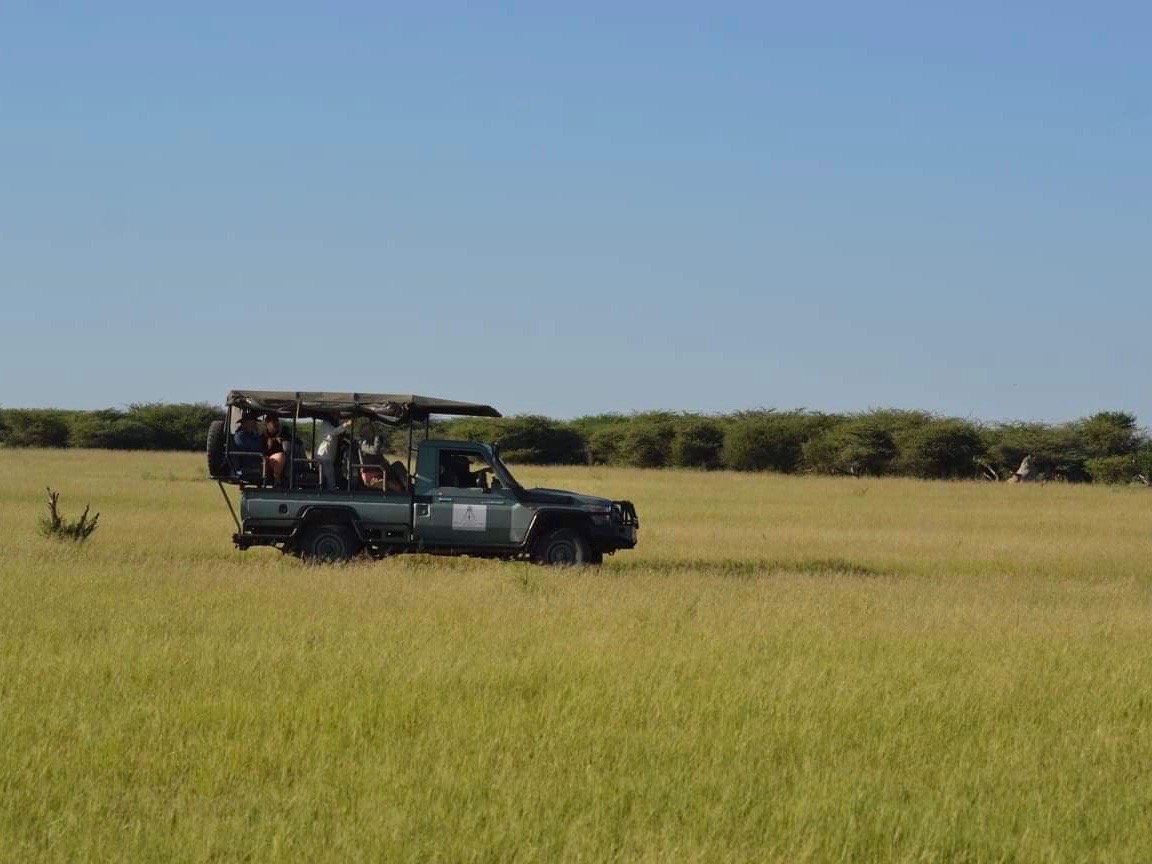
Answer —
(786, 669)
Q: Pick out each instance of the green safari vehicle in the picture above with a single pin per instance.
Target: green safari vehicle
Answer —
(337, 491)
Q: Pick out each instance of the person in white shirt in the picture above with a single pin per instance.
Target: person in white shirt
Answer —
(328, 432)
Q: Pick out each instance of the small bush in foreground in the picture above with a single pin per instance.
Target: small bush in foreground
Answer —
(54, 525)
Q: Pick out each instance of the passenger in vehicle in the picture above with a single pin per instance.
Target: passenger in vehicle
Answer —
(448, 476)
(396, 478)
(456, 472)
(275, 457)
(466, 477)
(247, 439)
(329, 430)
(371, 475)
(247, 444)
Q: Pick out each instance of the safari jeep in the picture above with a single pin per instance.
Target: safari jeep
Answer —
(340, 493)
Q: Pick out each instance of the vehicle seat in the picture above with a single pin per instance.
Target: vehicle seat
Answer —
(247, 467)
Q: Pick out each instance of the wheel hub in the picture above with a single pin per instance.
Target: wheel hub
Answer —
(329, 548)
(562, 553)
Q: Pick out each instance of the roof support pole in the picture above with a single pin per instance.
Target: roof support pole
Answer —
(348, 450)
(411, 488)
(293, 456)
(314, 455)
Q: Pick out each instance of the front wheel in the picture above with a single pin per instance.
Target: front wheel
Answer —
(328, 543)
(564, 548)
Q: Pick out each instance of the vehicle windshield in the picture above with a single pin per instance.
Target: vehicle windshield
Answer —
(504, 474)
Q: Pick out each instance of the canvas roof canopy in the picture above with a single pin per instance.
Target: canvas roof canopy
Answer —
(397, 407)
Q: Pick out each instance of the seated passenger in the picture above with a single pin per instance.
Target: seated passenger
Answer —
(456, 472)
(396, 478)
(276, 459)
(246, 439)
(466, 477)
(448, 477)
(371, 477)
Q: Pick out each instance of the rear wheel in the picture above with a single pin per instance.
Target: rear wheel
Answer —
(328, 543)
(564, 547)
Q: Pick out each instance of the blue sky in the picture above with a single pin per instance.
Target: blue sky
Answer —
(573, 208)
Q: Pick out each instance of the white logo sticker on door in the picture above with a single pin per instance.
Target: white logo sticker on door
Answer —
(469, 517)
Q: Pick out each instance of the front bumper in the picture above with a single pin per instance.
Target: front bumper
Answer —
(619, 530)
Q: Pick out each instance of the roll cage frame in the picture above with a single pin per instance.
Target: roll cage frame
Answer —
(392, 410)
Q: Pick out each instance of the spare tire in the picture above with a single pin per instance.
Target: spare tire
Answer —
(217, 461)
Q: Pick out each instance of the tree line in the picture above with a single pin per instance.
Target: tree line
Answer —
(1107, 447)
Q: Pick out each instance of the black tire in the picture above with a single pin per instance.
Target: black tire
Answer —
(328, 543)
(217, 462)
(564, 547)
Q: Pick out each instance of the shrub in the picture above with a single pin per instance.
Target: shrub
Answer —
(697, 443)
(176, 426)
(640, 440)
(1144, 459)
(55, 526)
(109, 429)
(527, 439)
(646, 442)
(1113, 469)
(602, 435)
(1109, 433)
(860, 446)
(879, 441)
(770, 441)
(945, 449)
(603, 446)
(1056, 451)
(36, 427)
(1122, 469)
(901, 424)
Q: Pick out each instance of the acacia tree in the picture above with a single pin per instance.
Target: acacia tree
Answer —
(859, 447)
(947, 449)
(1109, 433)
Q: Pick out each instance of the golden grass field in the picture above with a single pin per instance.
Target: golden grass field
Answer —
(786, 669)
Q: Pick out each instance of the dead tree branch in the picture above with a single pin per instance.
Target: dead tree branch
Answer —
(987, 472)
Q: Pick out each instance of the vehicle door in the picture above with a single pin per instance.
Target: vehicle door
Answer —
(462, 508)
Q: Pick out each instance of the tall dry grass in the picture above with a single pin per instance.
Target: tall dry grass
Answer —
(785, 669)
